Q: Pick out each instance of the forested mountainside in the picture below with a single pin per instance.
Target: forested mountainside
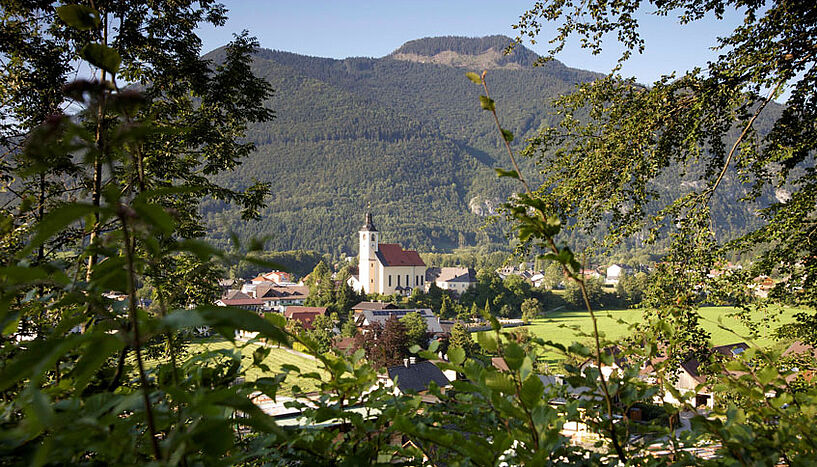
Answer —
(402, 136)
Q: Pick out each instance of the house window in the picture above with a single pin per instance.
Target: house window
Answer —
(407, 281)
(421, 280)
(398, 280)
(389, 280)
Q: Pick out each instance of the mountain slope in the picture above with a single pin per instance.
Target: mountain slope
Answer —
(402, 136)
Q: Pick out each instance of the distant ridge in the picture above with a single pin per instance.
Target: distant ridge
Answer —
(475, 52)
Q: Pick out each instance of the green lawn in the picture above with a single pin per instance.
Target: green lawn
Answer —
(613, 324)
(276, 358)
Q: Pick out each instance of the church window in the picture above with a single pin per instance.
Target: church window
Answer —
(364, 236)
(421, 280)
(389, 280)
(398, 280)
(407, 281)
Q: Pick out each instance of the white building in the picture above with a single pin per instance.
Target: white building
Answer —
(615, 272)
(452, 278)
(385, 268)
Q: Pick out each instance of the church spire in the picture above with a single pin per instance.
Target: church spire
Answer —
(369, 225)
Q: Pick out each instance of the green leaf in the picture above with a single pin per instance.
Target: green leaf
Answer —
(415, 348)
(55, 221)
(767, 374)
(514, 354)
(93, 356)
(102, 56)
(507, 135)
(200, 249)
(156, 216)
(474, 77)
(79, 16)
(487, 103)
(499, 382)
(226, 320)
(507, 173)
(276, 319)
(532, 390)
(487, 341)
(456, 355)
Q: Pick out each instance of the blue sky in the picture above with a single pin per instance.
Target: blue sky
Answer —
(342, 29)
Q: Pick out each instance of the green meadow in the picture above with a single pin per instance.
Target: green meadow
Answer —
(566, 327)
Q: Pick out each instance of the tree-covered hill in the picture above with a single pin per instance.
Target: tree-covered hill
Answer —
(401, 135)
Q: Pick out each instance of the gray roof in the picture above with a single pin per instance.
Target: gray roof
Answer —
(417, 377)
(692, 366)
(381, 316)
(451, 275)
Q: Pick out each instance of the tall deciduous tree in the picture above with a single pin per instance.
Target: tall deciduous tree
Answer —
(710, 127)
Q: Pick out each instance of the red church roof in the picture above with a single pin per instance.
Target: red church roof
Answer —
(393, 254)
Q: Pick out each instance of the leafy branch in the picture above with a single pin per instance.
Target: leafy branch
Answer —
(536, 224)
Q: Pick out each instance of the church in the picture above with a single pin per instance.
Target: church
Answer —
(386, 268)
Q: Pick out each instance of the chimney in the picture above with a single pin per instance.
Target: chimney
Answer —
(406, 362)
(412, 360)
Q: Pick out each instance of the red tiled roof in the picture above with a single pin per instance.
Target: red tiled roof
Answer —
(317, 310)
(304, 314)
(393, 254)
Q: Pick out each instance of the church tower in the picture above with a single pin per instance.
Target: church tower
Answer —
(367, 268)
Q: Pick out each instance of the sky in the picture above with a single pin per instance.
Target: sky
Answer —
(358, 28)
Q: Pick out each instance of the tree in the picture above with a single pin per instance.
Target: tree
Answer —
(595, 293)
(346, 297)
(349, 328)
(384, 346)
(323, 332)
(446, 308)
(553, 276)
(531, 309)
(716, 126)
(321, 286)
(631, 288)
(416, 329)
(460, 337)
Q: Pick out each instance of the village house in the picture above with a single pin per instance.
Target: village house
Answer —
(278, 298)
(240, 300)
(385, 268)
(690, 375)
(275, 277)
(457, 280)
(413, 377)
(304, 315)
(367, 318)
(615, 272)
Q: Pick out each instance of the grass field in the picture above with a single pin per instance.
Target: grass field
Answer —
(614, 324)
(276, 358)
